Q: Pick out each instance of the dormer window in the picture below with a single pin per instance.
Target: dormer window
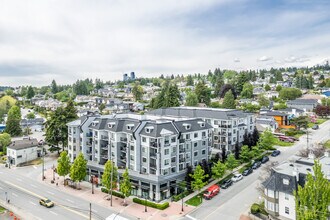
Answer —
(94, 123)
(130, 127)
(111, 124)
(149, 129)
(187, 126)
(202, 124)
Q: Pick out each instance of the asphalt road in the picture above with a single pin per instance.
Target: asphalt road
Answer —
(237, 199)
(25, 192)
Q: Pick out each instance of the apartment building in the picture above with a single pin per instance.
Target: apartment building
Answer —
(229, 126)
(283, 182)
(156, 150)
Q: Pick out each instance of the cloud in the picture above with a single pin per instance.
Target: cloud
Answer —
(265, 58)
(237, 60)
(293, 59)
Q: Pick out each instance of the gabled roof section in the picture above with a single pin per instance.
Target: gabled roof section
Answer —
(195, 125)
(160, 129)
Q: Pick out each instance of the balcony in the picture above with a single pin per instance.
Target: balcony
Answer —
(89, 135)
(104, 156)
(181, 160)
(173, 154)
(182, 150)
(153, 144)
(89, 152)
(104, 147)
(104, 137)
(153, 155)
(152, 165)
(181, 141)
(229, 134)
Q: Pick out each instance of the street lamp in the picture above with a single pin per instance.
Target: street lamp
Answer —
(53, 172)
(145, 203)
(92, 180)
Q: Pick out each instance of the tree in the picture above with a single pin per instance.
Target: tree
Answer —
(313, 199)
(218, 86)
(13, 121)
(267, 140)
(188, 177)
(255, 137)
(247, 91)
(218, 170)
(190, 81)
(278, 88)
(256, 151)
(63, 164)
(223, 154)
(101, 107)
(191, 99)
(205, 166)
(300, 122)
(322, 110)
(78, 168)
(172, 96)
(289, 93)
(109, 170)
(225, 88)
(137, 91)
(239, 82)
(263, 101)
(236, 151)
(231, 162)
(198, 178)
(229, 101)
(5, 140)
(30, 115)
(54, 88)
(267, 87)
(125, 185)
(30, 93)
(245, 154)
(203, 93)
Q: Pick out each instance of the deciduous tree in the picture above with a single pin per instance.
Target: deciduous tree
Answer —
(110, 170)
(63, 164)
(125, 185)
(13, 121)
(231, 162)
(218, 170)
(229, 101)
(78, 168)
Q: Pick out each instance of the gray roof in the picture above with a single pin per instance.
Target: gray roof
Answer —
(276, 183)
(290, 110)
(195, 125)
(225, 114)
(158, 129)
(23, 144)
(275, 113)
(303, 101)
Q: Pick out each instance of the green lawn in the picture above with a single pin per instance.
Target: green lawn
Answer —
(327, 144)
(318, 122)
(2, 209)
(195, 201)
(283, 143)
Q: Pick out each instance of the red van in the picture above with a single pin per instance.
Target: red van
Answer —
(211, 192)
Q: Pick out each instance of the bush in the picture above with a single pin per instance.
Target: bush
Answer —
(255, 208)
(114, 193)
(152, 204)
(180, 196)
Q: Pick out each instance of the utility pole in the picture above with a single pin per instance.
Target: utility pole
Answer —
(111, 183)
(90, 211)
(43, 162)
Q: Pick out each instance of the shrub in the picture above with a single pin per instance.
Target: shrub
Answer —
(255, 208)
(114, 193)
(180, 196)
(160, 206)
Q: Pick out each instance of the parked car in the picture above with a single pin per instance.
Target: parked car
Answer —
(276, 153)
(237, 177)
(247, 171)
(293, 138)
(286, 139)
(264, 159)
(256, 165)
(211, 192)
(46, 202)
(315, 127)
(226, 184)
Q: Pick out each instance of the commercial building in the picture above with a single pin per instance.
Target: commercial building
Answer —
(156, 150)
(22, 151)
(283, 182)
(229, 126)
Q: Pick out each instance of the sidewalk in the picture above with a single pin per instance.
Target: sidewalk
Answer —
(133, 210)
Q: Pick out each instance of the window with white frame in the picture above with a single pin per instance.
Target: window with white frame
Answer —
(287, 210)
(167, 151)
(166, 162)
(144, 139)
(286, 196)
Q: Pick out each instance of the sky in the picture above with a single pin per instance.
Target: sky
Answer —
(66, 40)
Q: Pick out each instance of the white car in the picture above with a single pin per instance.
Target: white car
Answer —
(237, 177)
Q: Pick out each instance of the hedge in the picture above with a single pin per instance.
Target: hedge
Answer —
(255, 208)
(151, 204)
(114, 193)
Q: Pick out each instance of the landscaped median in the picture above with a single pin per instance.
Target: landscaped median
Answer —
(160, 206)
(114, 193)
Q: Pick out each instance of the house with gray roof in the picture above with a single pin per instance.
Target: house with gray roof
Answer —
(156, 150)
(23, 151)
(308, 105)
(284, 180)
(229, 125)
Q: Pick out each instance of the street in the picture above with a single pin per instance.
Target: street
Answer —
(237, 199)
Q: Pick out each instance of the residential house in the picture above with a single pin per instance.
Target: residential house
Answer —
(284, 181)
(257, 91)
(308, 105)
(282, 119)
(265, 122)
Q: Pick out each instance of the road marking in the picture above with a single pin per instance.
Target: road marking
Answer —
(50, 193)
(33, 186)
(35, 167)
(14, 194)
(19, 179)
(69, 200)
(188, 216)
(54, 213)
(32, 203)
(40, 197)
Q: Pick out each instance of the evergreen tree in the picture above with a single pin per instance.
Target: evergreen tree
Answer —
(246, 140)
(137, 91)
(255, 136)
(267, 87)
(188, 177)
(190, 81)
(218, 170)
(54, 88)
(237, 150)
(218, 86)
(247, 91)
(13, 126)
(30, 93)
(78, 168)
(109, 170)
(229, 101)
(313, 199)
(172, 96)
(203, 93)
(63, 164)
(125, 185)
(223, 154)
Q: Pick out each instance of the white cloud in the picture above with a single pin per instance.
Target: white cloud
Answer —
(265, 58)
(237, 60)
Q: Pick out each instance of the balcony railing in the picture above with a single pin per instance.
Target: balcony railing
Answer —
(153, 155)
(123, 139)
(181, 160)
(104, 156)
(104, 137)
(153, 144)
(181, 141)
(89, 135)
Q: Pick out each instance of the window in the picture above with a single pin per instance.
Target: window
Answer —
(287, 210)
(167, 151)
(144, 160)
(195, 135)
(286, 196)
(187, 136)
(144, 139)
(74, 140)
(132, 147)
(216, 122)
(195, 153)
(195, 163)
(167, 162)
(203, 133)
(74, 148)
(195, 144)
(203, 143)
(143, 149)
(173, 169)
(285, 181)
(173, 140)
(203, 152)
(19, 156)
